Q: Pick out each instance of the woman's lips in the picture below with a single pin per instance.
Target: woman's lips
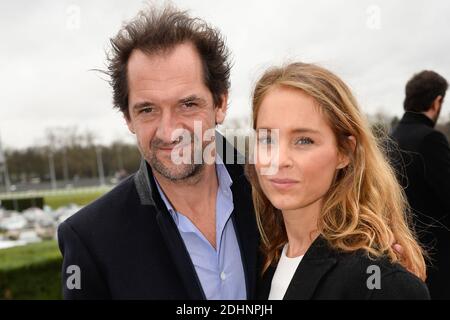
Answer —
(283, 183)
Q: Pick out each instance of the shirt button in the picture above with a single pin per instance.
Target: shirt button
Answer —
(223, 276)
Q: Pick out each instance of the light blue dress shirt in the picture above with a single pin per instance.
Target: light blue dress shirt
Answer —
(220, 270)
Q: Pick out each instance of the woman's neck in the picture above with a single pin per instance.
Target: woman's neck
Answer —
(301, 228)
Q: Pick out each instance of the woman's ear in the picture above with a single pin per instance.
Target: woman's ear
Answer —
(344, 159)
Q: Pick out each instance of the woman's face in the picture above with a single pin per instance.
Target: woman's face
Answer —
(304, 155)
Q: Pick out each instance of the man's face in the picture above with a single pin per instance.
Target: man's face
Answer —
(167, 92)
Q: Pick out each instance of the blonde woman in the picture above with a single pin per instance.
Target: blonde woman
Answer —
(332, 208)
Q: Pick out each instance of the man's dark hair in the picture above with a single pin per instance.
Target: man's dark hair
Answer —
(423, 88)
(157, 30)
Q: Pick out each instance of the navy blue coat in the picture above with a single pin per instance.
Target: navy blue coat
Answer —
(127, 245)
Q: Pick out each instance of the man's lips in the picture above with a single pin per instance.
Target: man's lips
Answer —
(166, 148)
(171, 148)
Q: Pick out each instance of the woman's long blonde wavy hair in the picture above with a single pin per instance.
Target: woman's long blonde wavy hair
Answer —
(365, 207)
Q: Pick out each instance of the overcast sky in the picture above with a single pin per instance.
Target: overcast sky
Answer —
(48, 47)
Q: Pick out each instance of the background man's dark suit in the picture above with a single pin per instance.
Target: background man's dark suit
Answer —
(128, 246)
(423, 167)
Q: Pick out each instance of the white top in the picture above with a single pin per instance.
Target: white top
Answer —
(283, 275)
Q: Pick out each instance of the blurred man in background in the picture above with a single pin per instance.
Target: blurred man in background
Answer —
(423, 167)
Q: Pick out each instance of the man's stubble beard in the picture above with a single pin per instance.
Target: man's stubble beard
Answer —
(177, 172)
(187, 171)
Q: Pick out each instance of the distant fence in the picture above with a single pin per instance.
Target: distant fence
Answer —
(22, 204)
(19, 201)
(56, 192)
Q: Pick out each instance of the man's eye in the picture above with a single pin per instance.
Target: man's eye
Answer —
(146, 110)
(304, 140)
(189, 105)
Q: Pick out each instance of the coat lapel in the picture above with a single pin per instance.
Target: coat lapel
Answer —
(317, 262)
(243, 214)
(247, 235)
(243, 220)
(180, 256)
(265, 282)
(149, 196)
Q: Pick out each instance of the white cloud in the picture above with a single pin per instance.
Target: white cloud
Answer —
(45, 65)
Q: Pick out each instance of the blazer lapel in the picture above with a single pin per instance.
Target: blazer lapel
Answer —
(246, 234)
(316, 263)
(243, 220)
(149, 196)
(243, 215)
(180, 256)
(265, 282)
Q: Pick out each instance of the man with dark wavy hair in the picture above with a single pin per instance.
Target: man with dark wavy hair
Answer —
(424, 172)
(172, 230)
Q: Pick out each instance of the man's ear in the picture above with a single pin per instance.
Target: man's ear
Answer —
(437, 103)
(129, 123)
(344, 159)
(221, 109)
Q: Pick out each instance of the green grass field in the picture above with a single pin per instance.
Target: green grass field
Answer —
(61, 197)
(31, 272)
(34, 271)
(59, 200)
(34, 253)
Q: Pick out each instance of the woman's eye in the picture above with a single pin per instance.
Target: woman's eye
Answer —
(265, 140)
(304, 141)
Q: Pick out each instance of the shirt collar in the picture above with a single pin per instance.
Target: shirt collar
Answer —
(223, 177)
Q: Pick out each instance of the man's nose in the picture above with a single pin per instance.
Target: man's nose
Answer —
(166, 127)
